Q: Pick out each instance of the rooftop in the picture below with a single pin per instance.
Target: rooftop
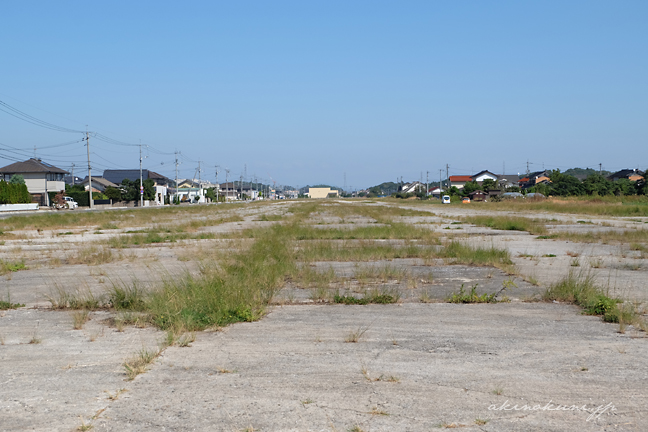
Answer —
(31, 166)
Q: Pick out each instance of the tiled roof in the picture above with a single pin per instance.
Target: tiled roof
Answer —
(31, 166)
(460, 178)
(117, 176)
(100, 180)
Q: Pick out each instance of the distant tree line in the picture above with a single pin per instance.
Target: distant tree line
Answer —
(594, 185)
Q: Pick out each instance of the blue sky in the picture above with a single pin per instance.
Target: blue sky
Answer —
(306, 91)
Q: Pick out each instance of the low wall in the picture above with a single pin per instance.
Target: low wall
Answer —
(18, 207)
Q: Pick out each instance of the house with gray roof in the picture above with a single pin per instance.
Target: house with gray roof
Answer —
(99, 184)
(117, 176)
(160, 183)
(40, 178)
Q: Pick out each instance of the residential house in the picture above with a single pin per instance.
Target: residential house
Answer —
(229, 191)
(478, 195)
(72, 180)
(40, 178)
(535, 178)
(508, 180)
(414, 187)
(232, 191)
(189, 194)
(483, 175)
(630, 174)
(99, 184)
(160, 183)
(293, 194)
(436, 192)
(459, 181)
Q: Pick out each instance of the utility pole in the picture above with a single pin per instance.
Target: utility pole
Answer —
(528, 167)
(72, 174)
(199, 181)
(448, 177)
(241, 185)
(217, 184)
(89, 170)
(600, 169)
(141, 181)
(345, 182)
(440, 178)
(427, 182)
(226, 184)
(175, 197)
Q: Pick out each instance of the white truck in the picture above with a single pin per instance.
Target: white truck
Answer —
(70, 203)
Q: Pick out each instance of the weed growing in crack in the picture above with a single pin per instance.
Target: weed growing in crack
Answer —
(139, 363)
(354, 336)
(186, 340)
(115, 396)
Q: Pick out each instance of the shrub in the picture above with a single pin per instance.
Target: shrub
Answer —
(14, 193)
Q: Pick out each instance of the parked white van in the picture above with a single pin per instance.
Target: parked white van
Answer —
(446, 199)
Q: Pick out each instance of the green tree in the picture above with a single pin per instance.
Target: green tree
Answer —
(564, 185)
(488, 185)
(132, 189)
(113, 193)
(596, 184)
(470, 187)
(17, 179)
(74, 188)
(455, 191)
(624, 187)
(14, 193)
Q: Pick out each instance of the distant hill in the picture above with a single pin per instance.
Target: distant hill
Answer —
(583, 173)
(386, 188)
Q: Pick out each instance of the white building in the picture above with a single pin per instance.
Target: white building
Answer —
(40, 178)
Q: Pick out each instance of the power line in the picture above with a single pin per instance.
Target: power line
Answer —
(15, 112)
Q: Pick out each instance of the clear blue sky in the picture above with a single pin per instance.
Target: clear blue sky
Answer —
(305, 91)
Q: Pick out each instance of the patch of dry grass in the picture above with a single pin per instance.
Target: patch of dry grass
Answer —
(79, 318)
(139, 363)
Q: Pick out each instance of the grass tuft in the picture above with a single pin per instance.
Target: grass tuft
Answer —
(509, 223)
(472, 296)
(354, 336)
(79, 318)
(11, 266)
(139, 363)
(581, 289)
